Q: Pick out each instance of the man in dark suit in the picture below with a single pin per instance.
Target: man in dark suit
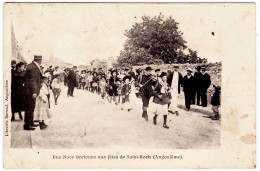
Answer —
(188, 88)
(33, 78)
(72, 81)
(197, 84)
(205, 83)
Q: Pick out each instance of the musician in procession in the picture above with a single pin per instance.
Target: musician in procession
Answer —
(146, 84)
(164, 87)
(161, 99)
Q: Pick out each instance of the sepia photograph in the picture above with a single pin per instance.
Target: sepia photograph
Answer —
(129, 77)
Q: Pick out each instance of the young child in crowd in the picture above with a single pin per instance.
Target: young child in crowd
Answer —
(126, 90)
(42, 105)
(102, 86)
(161, 99)
(215, 102)
(94, 83)
(56, 88)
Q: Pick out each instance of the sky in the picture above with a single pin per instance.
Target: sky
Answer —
(79, 32)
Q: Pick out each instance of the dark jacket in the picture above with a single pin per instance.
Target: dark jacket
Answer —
(157, 91)
(147, 88)
(215, 99)
(18, 92)
(72, 78)
(197, 80)
(205, 81)
(180, 83)
(126, 89)
(113, 82)
(33, 78)
(188, 84)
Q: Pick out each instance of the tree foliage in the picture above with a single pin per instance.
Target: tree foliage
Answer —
(153, 41)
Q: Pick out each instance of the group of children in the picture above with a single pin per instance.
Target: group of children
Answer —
(118, 86)
(114, 85)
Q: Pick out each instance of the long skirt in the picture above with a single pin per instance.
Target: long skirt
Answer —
(17, 102)
(42, 110)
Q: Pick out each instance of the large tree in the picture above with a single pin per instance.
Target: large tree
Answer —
(155, 39)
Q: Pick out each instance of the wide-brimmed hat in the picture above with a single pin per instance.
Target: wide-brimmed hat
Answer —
(148, 68)
(163, 74)
(189, 69)
(127, 77)
(157, 70)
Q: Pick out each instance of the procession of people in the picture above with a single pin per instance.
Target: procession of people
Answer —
(32, 86)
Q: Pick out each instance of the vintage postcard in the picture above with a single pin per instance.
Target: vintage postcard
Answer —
(129, 85)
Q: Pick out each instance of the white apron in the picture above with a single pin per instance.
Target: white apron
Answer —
(174, 92)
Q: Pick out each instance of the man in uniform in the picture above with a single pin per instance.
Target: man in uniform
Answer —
(33, 78)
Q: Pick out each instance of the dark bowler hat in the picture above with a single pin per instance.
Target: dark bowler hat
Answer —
(157, 70)
(163, 74)
(114, 70)
(126, 69)
(217, 87)
(176, 66)
(74, 66)
(148, 68)
(37, 57)
(198, 67)
(127, 77)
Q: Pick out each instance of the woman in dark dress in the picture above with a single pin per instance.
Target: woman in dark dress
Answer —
(113, 86)
(17, 94)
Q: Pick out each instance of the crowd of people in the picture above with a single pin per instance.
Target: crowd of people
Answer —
(32, 86)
